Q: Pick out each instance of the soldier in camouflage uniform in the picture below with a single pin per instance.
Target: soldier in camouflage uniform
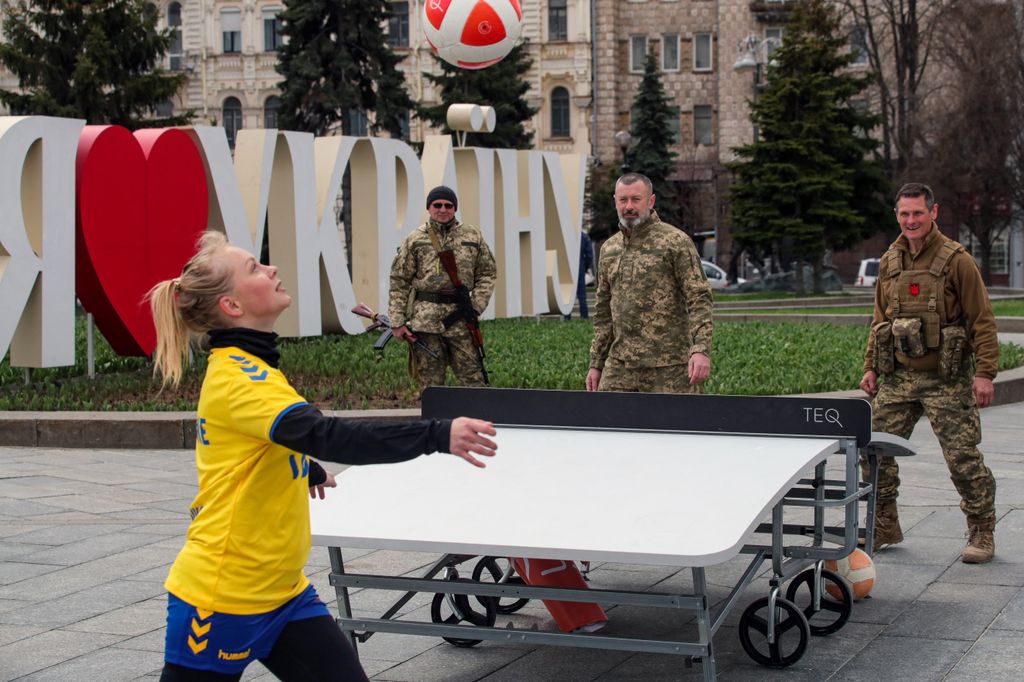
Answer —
(932, 314)
(652, 319)
(422, 295)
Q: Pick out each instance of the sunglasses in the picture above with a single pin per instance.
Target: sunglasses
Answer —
(442, 204)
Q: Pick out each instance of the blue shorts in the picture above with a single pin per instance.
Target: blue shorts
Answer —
(226, 643)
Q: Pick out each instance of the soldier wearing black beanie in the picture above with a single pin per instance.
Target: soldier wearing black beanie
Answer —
(423, 297)
(443, 193)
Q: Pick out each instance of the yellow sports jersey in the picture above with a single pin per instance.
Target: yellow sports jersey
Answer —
(249, 537)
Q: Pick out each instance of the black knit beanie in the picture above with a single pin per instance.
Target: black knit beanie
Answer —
(442, 192)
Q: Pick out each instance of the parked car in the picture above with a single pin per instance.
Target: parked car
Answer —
(717, 277)
(867, 274)
(786, 281)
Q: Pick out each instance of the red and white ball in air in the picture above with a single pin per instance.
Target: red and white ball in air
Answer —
(472, 34)
(857, 570)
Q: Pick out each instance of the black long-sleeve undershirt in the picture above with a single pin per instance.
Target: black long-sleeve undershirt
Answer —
(307, 430)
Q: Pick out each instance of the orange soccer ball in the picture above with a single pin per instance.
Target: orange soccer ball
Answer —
(857, 570)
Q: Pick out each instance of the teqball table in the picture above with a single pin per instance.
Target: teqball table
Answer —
(680, 480)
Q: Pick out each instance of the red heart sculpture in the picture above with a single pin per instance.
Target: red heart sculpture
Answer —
(142, 204)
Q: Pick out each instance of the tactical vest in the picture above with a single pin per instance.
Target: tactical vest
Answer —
(919, 293)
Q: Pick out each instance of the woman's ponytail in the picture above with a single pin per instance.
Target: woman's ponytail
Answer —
(186, 307)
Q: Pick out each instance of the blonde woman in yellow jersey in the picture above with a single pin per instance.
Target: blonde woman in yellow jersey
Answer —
(237, 592)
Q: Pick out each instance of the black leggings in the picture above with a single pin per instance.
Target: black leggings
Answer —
(309, 650)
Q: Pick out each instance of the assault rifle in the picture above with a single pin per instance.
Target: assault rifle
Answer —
(464, 308)
(382, 321)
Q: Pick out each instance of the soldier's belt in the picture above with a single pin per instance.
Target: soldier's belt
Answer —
(443, 296)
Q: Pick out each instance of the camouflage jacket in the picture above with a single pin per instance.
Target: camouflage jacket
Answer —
(654, 302)
(965, 298)
(417, 267)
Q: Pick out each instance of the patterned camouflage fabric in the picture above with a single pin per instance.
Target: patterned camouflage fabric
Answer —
(671, 379)
(453, 349)
(654, 305)
(417, 268)
(951, 409)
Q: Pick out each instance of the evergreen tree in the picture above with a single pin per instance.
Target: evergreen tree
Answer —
(93, 60)
(335, 58)
(500, 86)
(808, 184)
(650, 152)
(599, 201)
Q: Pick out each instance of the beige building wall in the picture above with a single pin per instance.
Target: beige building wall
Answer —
(701, 172)
(697, 90)
(618, 23)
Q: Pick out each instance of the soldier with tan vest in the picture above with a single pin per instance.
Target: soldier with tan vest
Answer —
(932, 350)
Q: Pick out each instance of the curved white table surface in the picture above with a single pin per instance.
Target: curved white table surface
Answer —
(676, 499)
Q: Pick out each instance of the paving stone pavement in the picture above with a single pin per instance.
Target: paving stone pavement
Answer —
(86, 538)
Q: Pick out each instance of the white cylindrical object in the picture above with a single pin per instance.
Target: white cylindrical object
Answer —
(465, 117)
(490, 119)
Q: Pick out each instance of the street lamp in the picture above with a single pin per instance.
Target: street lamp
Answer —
(747, 59)
(623, 140)
(755, 53)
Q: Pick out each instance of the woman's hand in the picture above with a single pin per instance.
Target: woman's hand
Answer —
(469, 437)
(318, 490)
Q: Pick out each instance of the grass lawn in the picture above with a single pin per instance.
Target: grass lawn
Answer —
(344, 372)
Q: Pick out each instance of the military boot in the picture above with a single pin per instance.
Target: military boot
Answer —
(981, 545)
(887, 526)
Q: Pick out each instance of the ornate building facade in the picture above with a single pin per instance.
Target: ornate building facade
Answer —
(229, 47)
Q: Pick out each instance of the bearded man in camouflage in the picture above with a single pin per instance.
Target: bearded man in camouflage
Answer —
(652, 319)
(422, 295)
(932, 350)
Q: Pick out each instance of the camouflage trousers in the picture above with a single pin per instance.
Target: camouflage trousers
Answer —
(951, 408)
(454, 348)
(671, 379)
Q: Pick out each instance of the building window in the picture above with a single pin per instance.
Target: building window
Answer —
(861, 107)
(398, 25)
(999, 261)
(165, 109)
(231, 29)
(670, 52)
(232, 119)
(175, 51)
(859, 45)
(560, 113)
(702, 54)
(674, 126)
(558, 20)
(702, 133)
(271, 30)
(772, 39)
(358, 124)
(405, 124)
(637, 53)
(270, 110)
